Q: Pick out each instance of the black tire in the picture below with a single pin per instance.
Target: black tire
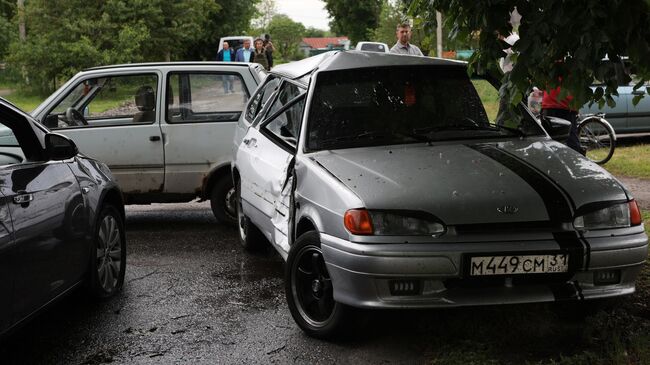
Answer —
(108, 256)
(597, 140)
(223, 202)
(250, 238)
(309, 290)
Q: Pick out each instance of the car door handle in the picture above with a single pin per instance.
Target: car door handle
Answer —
(23, 198)
(154, 138)
(250, 142)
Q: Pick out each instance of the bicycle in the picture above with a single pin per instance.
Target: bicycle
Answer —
(597, 137)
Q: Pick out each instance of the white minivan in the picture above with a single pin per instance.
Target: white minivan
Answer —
(235, 42)
(164, 129)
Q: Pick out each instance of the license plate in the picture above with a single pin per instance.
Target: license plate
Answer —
(520, 264)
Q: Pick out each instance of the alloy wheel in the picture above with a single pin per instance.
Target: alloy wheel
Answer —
(109, 253)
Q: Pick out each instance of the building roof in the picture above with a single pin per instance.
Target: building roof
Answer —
(323, 42)
(341, 60)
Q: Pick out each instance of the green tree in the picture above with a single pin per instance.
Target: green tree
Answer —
(389, 18)
(64, 36)
(560, 40)
(6, 35)
(312, 32)
(287, 35)
(231, 19)
(172, 25)
(8, 30)
(355, 19)
(265, 10)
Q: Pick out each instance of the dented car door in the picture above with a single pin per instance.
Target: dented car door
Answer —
(266, 159)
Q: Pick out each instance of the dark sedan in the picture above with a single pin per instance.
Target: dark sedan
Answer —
(61, 220)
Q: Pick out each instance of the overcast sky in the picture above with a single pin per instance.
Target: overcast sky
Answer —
(311, 13)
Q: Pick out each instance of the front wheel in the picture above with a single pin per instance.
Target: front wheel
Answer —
(223, 201)
(309, 290)
(108, 259)
(597, 140)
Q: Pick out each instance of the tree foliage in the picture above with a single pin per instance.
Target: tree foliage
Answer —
(355, 19)
(312, 32)
(560, 40)
(390, 16)
(232, 18)
(8, 30)
(286, 34)
(265, 10)
(64, 36)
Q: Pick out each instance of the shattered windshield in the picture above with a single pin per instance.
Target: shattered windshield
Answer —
(396, 105)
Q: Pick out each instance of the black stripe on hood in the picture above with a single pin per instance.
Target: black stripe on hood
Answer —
(558, 204)
(567, 196)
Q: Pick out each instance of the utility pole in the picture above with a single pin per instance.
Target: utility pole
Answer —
(22, 33)
(439, 33)
(20, 6)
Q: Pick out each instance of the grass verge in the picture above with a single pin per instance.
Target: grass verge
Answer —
(25, 102)
(630, 161)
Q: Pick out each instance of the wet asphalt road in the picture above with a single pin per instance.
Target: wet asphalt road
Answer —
(192, 295)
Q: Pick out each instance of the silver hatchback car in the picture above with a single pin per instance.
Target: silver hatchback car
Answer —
(384, 183)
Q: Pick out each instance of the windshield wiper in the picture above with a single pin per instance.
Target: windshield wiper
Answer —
(374, 135)
(516, 131)
(447, 127)
(465, 127)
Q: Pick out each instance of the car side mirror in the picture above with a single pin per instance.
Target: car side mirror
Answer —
(51, 121)
(60, 147)
(557, 128)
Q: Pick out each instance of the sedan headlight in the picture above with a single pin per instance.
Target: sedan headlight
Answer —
(614, 216)
(392, 223)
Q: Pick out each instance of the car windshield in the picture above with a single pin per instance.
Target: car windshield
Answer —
(396, 105)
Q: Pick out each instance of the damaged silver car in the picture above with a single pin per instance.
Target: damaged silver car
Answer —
(384, 182)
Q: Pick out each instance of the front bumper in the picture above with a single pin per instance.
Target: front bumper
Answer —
(363, 275)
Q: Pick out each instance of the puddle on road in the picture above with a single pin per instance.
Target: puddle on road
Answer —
(254, 281)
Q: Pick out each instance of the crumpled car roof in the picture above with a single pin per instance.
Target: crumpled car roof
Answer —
(342, 60)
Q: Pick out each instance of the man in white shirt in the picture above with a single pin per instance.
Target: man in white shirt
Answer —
(403, 45)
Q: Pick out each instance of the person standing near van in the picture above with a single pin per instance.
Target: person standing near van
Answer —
(226, 55)
(245, 54)
(403, 45)
(260, 55)
(269, 48)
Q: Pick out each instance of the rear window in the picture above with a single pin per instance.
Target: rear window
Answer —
(372, 47)
(383, 106)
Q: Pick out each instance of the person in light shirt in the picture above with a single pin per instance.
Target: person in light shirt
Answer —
(403, 45)
(245, 54)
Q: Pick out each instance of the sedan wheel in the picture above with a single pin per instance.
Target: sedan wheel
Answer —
(309, 290)
(109, 261)
(250, 237)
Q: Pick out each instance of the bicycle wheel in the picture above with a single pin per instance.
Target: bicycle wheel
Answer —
(597, 140)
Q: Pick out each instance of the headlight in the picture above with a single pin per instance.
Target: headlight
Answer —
(392, 223)
(614, 216)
